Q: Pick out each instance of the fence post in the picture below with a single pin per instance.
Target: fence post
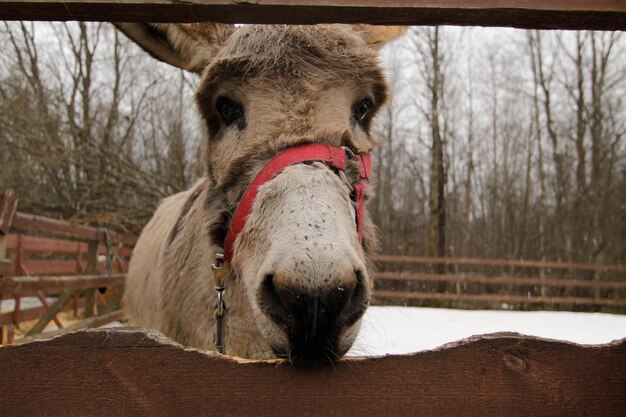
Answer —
(92, 269)
(8, 203)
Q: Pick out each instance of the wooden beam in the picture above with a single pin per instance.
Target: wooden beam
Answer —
(58, 305)
(133, 372)
(35, 244)
(8, 203)
(540, 14)
(521, 263)
(478, 279)
(33, 313)
(6, 268)
(90, 323)
(32, 222)
(29, 285)
(43, 224)
(498, 298)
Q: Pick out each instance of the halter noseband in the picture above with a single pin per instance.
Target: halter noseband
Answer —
(334, 157)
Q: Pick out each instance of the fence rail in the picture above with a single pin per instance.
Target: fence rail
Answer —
(539, 14)
(521, 287)
(104, 372)
(58, 259)
(522, 263)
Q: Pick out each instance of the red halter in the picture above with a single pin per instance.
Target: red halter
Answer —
(332, 156)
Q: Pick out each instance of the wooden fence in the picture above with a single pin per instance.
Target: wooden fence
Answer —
(539, 14)
(500, 283)
(82, 268)
(131, 372)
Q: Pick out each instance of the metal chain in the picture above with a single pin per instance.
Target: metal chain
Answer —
(220, 271)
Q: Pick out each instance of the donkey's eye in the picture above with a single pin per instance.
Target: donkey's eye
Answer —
(229, 110)
(362, 109)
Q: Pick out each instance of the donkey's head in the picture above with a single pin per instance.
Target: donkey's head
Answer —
(263, 90)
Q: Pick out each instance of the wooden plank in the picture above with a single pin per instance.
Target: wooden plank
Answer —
(28, 285)
(6, 267)
(32, 222)
(92, 268)
(45, 304)
(25, 315)
(8, 203)
(50, 267)
(33, 313)
(90, 323)
(497, 298)
(478, 279)
(540, 14)
(45, 318)
(497, 262)
(7, 335)
(105, 372)
(44, 245)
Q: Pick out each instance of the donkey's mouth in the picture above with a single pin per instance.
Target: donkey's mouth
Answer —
(311, 353)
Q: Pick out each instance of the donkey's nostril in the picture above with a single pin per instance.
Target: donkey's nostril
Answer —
(271, 303)
(358, 302)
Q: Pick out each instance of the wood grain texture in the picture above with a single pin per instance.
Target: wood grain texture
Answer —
(546, 14)
(503, 280)
(521, 263)
(31, 222)
(34, 244)
(131, 372)
(497, 298)
(24, 286)
(91, 322)
(6, 267)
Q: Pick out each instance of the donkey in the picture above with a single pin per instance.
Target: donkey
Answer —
(266, 255)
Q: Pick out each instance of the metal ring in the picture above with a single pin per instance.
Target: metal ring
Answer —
(349, 152)
(343, 177)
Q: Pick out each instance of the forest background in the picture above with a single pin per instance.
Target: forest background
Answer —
(497, 143)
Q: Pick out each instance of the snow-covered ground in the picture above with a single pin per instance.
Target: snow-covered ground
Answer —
(399, 330)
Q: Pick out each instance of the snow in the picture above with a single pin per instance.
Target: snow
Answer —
(25, 303)
(398, 330)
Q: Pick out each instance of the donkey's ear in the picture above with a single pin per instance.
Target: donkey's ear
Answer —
(377, 36)
(186, 46)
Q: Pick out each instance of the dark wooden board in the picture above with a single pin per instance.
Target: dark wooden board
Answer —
(498, 298)
(131, 372)
(503, 280)
(541, 14)
(39, 224)
(29, 285)
(521, 263)
(6, 268)
(36, 244)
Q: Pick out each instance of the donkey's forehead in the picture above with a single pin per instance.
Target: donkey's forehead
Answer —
(265, 50)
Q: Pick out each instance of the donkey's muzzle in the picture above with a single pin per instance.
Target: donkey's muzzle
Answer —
(313, 318)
